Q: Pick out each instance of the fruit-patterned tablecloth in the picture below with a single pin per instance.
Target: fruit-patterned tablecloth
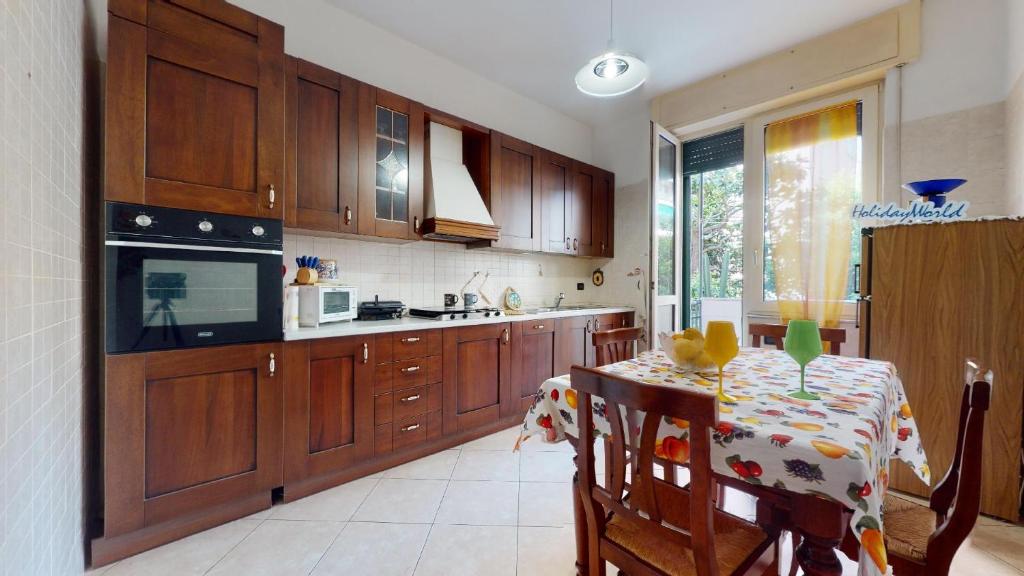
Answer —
(838, 447)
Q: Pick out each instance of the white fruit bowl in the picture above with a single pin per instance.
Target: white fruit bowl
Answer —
(668, 346)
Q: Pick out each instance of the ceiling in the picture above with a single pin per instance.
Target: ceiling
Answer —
(535, 47)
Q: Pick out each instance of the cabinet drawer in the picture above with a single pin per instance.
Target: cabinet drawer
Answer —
(610, 321)
(412, 344)
(409, 431)
(382, 439)
(409, 373)
(538, 326)
(382, 409)
(412, 402)
(382, 379)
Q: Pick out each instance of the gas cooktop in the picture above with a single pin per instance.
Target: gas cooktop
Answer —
(454, 312)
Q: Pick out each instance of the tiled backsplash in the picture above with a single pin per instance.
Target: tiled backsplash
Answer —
(420, 273)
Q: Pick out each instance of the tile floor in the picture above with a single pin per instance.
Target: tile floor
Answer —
(477, 509)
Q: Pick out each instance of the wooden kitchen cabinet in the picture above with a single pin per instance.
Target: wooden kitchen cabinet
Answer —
(407, 405)
(191, 438)
(603, 218)
(515, 194)
(477, 384)
(533, 359)
(556, 182)
(321, 149)
(328, 406)
(390, 193)
(195, 107)
(574, 338)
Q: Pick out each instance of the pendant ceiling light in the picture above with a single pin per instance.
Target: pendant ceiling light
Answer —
(612, 73)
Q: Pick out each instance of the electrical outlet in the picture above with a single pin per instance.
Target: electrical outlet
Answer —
(579, 285)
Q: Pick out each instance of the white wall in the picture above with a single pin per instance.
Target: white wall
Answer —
(324, 34)
(953, 114)
(963, 58)
(1015, 109)
(41, 287)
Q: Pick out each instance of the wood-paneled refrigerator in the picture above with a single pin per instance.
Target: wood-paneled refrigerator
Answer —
(933, 295)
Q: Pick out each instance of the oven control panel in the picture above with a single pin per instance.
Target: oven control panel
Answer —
(157, 222)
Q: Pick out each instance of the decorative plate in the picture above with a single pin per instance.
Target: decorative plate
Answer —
(513, 301)
(597, 277)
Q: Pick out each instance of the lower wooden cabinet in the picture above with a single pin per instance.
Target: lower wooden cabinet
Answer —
(477, 376)
(328, 405)
(187, 433)
(574, 338)
(533, 359)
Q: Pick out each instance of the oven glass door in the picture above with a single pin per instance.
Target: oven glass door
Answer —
(162, 296)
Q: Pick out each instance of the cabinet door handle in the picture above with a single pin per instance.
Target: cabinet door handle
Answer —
(409, 428)
(588, 325)
(575, 245)
(856, 278)
(567, 244)
(273, 365)
(348, 215)
(270, 196)
(412, 398)
(411, 369)
(415, 223)
(602, 247)
(538, 326)
(410, 340)
(366, 352)
(504, 335)
(597, 325)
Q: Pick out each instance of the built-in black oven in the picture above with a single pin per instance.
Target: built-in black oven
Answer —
(182, 278)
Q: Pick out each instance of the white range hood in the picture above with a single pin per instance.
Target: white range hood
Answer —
(454, 209)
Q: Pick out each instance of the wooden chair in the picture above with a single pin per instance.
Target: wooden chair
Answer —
(923, 539)
(615, 345)
(835, 337)
(658, 528)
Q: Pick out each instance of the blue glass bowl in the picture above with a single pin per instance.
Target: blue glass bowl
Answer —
(934, 190)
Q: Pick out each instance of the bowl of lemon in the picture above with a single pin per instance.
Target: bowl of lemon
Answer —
(686, 349)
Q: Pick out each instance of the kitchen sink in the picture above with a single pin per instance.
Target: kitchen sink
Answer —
(549, 309)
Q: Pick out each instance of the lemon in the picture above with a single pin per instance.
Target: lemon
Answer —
(692, 334)
(688, 349)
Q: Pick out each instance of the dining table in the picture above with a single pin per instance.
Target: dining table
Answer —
(827, 459)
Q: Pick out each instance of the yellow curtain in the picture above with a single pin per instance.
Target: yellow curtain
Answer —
(812, 182)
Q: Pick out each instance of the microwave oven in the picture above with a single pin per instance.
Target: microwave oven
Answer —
(323, 303)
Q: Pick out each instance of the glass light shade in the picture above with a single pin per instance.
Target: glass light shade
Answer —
(611, 74)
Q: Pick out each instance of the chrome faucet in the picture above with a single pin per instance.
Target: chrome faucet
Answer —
(558, 301)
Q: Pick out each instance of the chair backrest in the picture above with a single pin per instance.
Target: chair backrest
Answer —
(622, 398)
(957, 497)
(835, 337)
(615, 345)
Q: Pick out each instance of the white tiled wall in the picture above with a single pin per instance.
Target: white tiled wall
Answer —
(41, 110)
(1015, 148)
(420, 273)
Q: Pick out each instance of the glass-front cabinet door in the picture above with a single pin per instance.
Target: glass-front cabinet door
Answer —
(390, 164)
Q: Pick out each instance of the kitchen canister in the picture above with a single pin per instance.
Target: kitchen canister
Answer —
(291, 308)
(327, 269)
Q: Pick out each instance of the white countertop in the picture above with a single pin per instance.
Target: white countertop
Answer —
(357, 328)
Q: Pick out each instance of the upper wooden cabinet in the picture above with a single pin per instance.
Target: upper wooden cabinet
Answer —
(556, 181)
(195, 103)
(390, 164)
(515, 195)
(576, 207)
(321, 148)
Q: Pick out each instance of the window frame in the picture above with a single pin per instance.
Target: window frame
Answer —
(754, 181)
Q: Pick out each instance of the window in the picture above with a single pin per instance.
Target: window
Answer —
(815, 162)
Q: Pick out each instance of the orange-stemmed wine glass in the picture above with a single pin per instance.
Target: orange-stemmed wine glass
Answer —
(722, 346)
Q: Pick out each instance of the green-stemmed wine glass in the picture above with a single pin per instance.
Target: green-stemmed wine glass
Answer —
(803, 344)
